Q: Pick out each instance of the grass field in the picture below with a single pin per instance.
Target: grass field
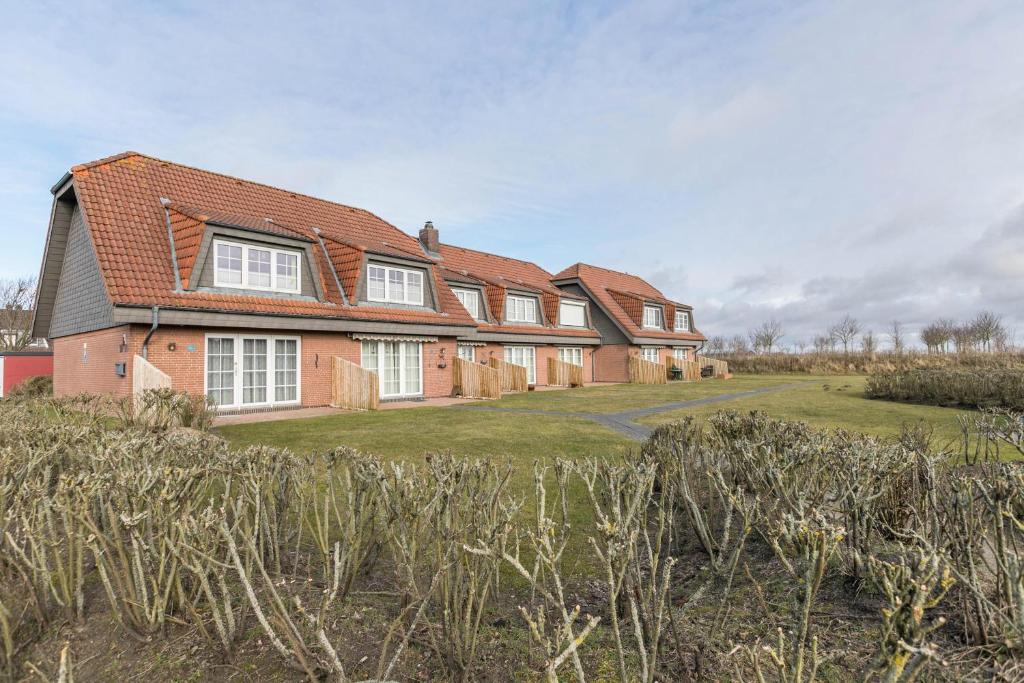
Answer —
(613, 398)
(836, 402)
(523, 438)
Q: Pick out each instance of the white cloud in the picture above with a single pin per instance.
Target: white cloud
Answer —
(753, 159)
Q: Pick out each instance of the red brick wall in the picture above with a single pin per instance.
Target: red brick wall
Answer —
(93, 372)
(611, 362)
(186, 363)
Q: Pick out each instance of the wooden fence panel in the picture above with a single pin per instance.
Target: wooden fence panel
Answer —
(691, 370)
(646, 372)
(474, 380)
(562, 374)
(146, 376)
(720, 366)
(513, 377)
(353, 387)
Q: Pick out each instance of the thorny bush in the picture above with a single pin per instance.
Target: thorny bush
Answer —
(173, 529)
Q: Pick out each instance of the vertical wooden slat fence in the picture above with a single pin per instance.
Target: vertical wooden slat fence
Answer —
(562, 374)
(353, 387)
(513, 377)
(474, 380)
(691, 370)
(646, 372)
(720, 366)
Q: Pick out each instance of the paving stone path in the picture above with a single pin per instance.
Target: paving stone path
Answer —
(624, 422)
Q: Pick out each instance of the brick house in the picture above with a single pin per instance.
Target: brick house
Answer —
(244, 292)
(633, 319)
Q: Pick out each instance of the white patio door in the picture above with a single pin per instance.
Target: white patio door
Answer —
(399, 365)
(244, 371)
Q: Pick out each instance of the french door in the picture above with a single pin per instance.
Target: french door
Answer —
(399, 365)
(252, 371)
(525, 356)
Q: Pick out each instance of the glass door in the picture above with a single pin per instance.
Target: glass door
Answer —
(244, 370)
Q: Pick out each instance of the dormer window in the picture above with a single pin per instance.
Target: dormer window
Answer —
(653, 317)
(394, 285)
(248, 266)
(521, 309)
(572, 314)
(470, 299)
(682, 321)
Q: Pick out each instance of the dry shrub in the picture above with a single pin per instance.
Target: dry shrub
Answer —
(175, 528)
(859, 363)
(951, 387)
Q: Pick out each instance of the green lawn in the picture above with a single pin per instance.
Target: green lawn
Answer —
(411, 433)
(835, 402)
(614, 398)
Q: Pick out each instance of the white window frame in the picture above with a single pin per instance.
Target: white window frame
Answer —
(573, 305)
(680, 353)
(406, 272)
(685, 317)
(401, 366)
(463, 294)
(271, 369)
(510, 309)
(568, 354)
(245, 284)
(531, 370)
(466, 352)
(652, 351)
(659, 316)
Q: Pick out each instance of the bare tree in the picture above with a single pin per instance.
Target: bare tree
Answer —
(933, 335)
(823, 343)
(988, 328)
(766, 336)
(845, 331)
(868, 343)
(716, 345)
(896, 336)
(738, 346)
(945, 328)
(16, 297)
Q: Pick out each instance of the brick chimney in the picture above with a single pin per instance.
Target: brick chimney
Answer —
(429, 238)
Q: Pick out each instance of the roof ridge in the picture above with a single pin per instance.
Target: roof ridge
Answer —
(125, 155)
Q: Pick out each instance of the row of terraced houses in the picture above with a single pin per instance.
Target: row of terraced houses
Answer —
(245, 292)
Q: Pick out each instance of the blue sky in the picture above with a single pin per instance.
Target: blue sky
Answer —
(795, 160)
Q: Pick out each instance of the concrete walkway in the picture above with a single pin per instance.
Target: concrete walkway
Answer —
(624, 422)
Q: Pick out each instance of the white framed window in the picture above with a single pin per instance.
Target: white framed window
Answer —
(466, 352)
(394, 285)
(252, 370)
(680, 354)
(649, 353)
(521, 309)
(399, 365)
(571, 354)
(525, 356)
(247, 266)
(470, 299)
(653, 317)
(682, 321)
(572, 314)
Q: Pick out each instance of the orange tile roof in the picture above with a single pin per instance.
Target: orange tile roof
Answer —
(622, 296)
(501, 273)
(120, 198)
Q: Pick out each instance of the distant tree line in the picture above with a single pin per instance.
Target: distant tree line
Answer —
(984, 333)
